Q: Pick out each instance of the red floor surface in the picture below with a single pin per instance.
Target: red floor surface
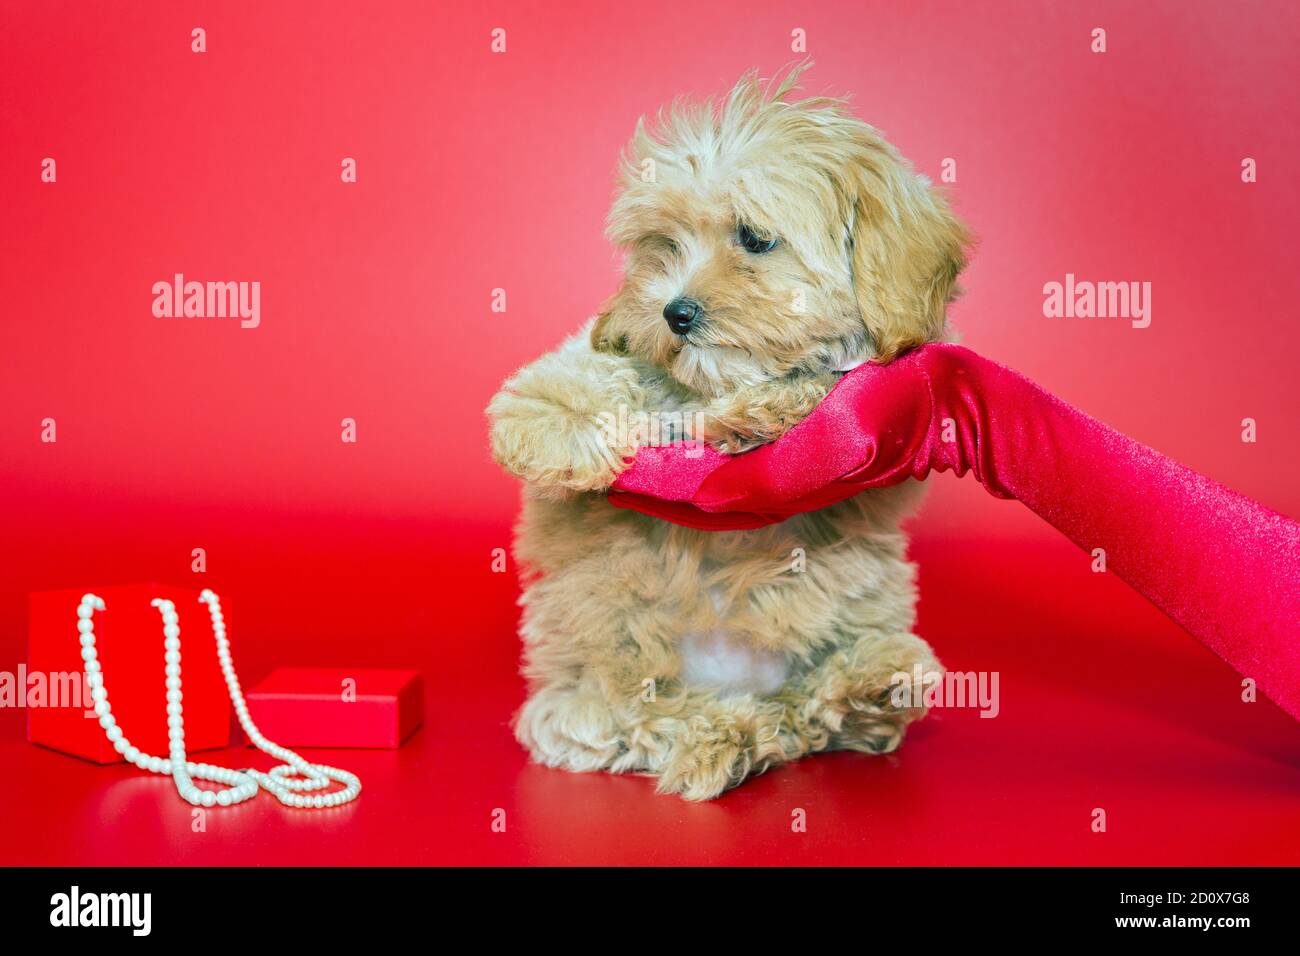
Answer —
(1104, 704)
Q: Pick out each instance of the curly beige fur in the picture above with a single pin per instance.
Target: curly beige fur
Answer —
(616, 604)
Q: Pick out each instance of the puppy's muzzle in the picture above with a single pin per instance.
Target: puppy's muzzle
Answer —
(682, 315)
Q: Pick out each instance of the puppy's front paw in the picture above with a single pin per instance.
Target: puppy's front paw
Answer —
(555, 423)
(756, 415)
(553, 446)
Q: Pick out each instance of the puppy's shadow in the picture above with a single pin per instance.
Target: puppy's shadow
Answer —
(599, 819)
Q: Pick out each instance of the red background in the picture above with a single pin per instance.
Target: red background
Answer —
(480, 171)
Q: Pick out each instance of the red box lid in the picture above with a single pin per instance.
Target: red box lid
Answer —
(338, 706)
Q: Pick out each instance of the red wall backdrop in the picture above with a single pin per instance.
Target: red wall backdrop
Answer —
(479, 171)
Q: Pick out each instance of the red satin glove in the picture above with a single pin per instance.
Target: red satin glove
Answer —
(1221, 565)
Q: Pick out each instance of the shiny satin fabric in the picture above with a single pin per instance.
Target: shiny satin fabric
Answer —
(1224, 567)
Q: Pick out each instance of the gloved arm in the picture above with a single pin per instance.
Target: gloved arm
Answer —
(1221, 565)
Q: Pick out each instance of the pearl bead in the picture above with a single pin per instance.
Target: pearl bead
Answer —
(86, 626)
(85, 611)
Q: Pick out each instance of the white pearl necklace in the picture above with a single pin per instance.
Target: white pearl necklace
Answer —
(290, 782)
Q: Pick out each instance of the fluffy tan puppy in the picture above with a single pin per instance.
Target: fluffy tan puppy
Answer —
(770, 245)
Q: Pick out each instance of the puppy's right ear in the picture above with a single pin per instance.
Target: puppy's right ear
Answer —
(605, 336)
(906, 246)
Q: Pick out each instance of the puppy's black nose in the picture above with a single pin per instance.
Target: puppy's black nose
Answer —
(682, 314)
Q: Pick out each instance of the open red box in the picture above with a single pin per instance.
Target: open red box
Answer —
(129, 643)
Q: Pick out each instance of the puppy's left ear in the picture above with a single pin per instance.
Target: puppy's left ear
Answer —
(907, 248)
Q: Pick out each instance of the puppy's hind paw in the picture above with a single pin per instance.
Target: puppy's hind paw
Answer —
(707, 759)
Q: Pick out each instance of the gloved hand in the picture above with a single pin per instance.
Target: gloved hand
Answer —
(1221, 565)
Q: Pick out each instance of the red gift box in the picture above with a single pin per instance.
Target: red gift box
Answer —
(129, 643)
(338, 706)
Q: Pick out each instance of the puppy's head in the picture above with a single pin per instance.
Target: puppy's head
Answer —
(766, 237)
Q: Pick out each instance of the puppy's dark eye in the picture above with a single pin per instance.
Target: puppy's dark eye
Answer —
(753, 242)
(662, 244)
